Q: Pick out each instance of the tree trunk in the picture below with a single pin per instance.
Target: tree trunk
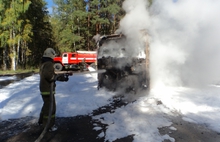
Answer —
(23, 55)
(88, 26)
(13, 65)
(147, 61)
(113, 25)
(145, 39)
(18, 52)
(4, 58)
(97, 28)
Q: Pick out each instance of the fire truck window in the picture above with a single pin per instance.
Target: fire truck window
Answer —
(73, 55)
(64, 55)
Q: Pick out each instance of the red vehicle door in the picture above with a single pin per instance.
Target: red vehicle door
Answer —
(73, 58)
(65, 58)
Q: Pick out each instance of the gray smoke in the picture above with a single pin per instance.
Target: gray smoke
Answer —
(183, 39)
(184, 47)
(96, 37)
(134, 25)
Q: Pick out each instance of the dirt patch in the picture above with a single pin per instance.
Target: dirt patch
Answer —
(77, 129)
(81, 129)
(70, 129)
(183, 131)
(18, 77)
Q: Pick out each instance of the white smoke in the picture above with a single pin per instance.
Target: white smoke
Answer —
(184, 44)
(135, 21)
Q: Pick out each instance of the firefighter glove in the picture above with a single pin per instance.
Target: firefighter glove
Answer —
(62, 77)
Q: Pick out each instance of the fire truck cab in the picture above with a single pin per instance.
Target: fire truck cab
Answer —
(74, 60)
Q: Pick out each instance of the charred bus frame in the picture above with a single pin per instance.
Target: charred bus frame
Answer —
(123, 73)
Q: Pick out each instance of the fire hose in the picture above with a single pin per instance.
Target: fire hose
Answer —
(61, 76)
(50, 113)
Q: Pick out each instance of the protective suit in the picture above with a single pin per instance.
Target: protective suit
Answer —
(47, 75)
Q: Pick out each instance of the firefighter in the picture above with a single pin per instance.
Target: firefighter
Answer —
(47, 76)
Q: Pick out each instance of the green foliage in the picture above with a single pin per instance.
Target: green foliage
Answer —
(27, 29)
(25, 32)
(19, 71)
(75, 22)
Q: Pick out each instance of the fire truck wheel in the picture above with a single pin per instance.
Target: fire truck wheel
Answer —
(58, 67)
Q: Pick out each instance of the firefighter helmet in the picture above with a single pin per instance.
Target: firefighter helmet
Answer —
(49, 52)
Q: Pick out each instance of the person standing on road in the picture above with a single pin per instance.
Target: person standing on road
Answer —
(47, 76)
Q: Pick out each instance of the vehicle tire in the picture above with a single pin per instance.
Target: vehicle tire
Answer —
(93, 66)
(58, 67)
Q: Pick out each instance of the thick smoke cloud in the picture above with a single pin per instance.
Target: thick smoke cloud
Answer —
(183, 39)
(134, 24)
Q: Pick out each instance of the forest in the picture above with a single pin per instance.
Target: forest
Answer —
(27, 28)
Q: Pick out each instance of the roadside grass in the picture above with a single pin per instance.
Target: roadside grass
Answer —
(19, 71)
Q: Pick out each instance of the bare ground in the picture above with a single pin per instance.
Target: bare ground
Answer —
(80, 129)
(189, 132)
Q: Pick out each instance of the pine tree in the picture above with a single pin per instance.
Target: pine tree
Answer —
(42, 37)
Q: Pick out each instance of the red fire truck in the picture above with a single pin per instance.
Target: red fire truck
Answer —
(74, 60)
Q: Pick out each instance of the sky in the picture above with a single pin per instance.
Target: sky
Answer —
(79, 96)
(49, 6)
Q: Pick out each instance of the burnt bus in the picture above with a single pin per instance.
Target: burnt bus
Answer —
(126, 70)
